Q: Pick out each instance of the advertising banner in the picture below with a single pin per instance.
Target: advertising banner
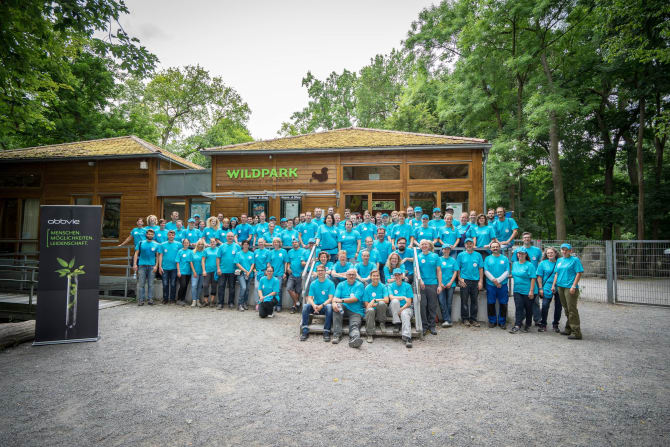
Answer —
(69, 274)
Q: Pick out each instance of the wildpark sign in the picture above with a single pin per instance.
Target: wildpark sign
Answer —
(262, 173)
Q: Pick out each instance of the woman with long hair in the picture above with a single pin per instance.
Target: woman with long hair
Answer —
(546, 271)
(326, 237)
(197, 270)
(392, 263)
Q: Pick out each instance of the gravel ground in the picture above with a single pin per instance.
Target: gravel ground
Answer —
(173, 376)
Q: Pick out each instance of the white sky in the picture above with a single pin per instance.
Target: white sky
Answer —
(263, 48)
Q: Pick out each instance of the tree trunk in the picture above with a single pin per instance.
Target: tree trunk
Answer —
(14, 333)
(640, 173)
(554, 157)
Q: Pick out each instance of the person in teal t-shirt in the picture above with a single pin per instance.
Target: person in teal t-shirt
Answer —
(244, 261)
(431, 284)
(375, 300)
(496, 270)
(546, 271)
(365, 268)
(349, 240)
(184, 257)
(210, 277)
(401, 296)
(449, 268)
(278, 260)
(197, 268)
(348, 301)
(296, 263)
(168, 267)
(471, 281)
(523, 283)
(225, 267)
(268, 291)
(318, 302)
(146, 256)
(569, 271)
(338, 272)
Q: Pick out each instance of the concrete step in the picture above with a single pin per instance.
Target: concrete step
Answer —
(318, 329)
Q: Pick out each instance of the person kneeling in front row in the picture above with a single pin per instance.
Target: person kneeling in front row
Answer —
(268, 291)
(318, 302)
(348, 300)
(400, 294)
(375, 299)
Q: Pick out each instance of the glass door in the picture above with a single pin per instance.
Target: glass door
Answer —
(258, 206)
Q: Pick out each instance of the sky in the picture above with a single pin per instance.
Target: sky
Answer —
(263, 48)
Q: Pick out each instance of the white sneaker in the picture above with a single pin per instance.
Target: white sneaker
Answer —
(194, 303)
(271, 316)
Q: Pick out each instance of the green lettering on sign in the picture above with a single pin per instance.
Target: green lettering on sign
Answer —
(262, 173)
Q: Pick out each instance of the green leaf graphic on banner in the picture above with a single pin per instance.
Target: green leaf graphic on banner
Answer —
(71, 263)
(63, 263)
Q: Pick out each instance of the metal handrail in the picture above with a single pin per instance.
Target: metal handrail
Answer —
(306, 276)
(418, 323)
(32, 281)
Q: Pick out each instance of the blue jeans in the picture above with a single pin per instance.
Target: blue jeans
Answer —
(145, 278)
(196, 287)
(169, 285)
(327, 310)
(244, 289)
(445, 298)
(558, 308)
(501, 295)
(280, 294)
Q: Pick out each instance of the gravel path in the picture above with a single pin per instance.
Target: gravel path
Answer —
(172, 376)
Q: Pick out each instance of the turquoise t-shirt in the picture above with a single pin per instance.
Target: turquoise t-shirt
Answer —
(349, 241)
(246, 260)
(448, 266)
(261, 259)
(193, 235)
(227, 254)
(469, 265)
(437, 224)
(160, 236)
(401, 230)
(171, 226)
(339, 268)
(503, 229)
(448, 235)
(327, 265)
(566, 270)
(403, 290)
(267, 286)
(148, 251)
(211, 253)
(388, 276)
(345, 290)
(295, 259)
(327, 237)
(409, 265)
(547, 271)
(484, 235)
(367, 230)
(287, 237)
(523, 274)
(428, 264)
(496, 265)
(210, 233)
(466, 230)
(278, 260)
(534, 255)
(374, 255)
(184, 257)
(421, 233)
(321, 291)
(169, 251)
(308, 231)
(378, 292)
(364, 270)
(383, 249)
(139, 234)
(243, 231)
(196, 259)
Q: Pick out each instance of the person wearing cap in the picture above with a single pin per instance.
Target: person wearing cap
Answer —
(484, 236)
(386, 222)
(288, 234)
(401, 297)
(524, 286)
(307, 230)
(448, 234)
(349, 240)
(279, 262)
(505, 228)
(244, 261)
(471, 281)
(318, 302)
(534, 256)
(296, 264)
(437, 221)
(244, 231)
(496, 270)
(425, 231)
(233, 224)
(383, 247)
(449, 210)
(449, 268)
(569, 271)
(192, 233)
(546, 271)
(367, 228)
(430, 284)
(416, 221)
(375, 301)
(282, 223)
(348, 302)
(225, 267)
(326, 237)
(261, 261)
(269, 287)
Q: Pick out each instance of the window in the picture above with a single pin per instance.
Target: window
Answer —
(111, 217)
(438, 171)
(426, 200)
(201, 207)
(83, 200)
(382, 172)
(170, 205)
(9, 223)
(30, 224)
(458, 200)
(21, 180)
(356, 203)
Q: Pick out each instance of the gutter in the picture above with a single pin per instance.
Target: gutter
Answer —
(96, 157)
(464, 146)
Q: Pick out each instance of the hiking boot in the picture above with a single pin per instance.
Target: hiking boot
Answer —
(503, 327)
(475, 323)
(566, 332)
(326, 337)
(433, 331)
(164, 302)
(514, 330)
(370, 339)
(408, 343)
(542, 329)
(204, 304)
(426, 332)
(304, 336)
(492, 325)
(574, 337)
(446, 324)
(355, 342)
(466, 323)
(337, 339)
(150, 302)
(293, 310)
(382, 327)
(140, 303)
(556, 329)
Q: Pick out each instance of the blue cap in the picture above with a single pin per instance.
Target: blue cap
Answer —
(191, 220)
(283, 219)
(233, 218)
(469, 240)
(417, 209)
(397, 272)
(444, 247)
(522, 250)
(385, 215)
(566, 245)
(196, 215)
(425, 216)
(273, 218)
(311, 241)
(436, 210)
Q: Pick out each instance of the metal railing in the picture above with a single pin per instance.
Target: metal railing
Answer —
(641, 270)
(306, 274)
(418, 323)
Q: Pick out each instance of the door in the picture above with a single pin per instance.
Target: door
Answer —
(290, 207)
(385, 202)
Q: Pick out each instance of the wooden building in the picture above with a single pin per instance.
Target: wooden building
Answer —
(355, 168)
(118, 173)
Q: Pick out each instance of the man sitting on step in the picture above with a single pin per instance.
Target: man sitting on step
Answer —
(375, 299)
(318, 302)
(348, 301)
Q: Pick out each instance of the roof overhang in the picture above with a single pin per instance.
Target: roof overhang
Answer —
(316, 150)
(96, 157)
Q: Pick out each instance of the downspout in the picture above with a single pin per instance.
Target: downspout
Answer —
(486, 156)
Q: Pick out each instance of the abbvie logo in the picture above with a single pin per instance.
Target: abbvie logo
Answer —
(63, 222)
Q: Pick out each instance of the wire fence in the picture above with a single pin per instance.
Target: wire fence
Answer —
(642, 271)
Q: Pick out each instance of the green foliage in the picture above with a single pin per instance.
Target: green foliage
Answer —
(68, 268)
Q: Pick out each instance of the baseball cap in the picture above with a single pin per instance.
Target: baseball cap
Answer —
(397, 272)
(425, 216)
(385, 215)
(418, 209)
(283, 219)
(522, 250)
(234, 218)
(191, 220)
(273, 218)
(444, 247)
(311, 241)
(566, 245)
(436, 210)
(469, 240)
(196, 215)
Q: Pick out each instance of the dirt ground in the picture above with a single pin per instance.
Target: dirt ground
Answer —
(166, 375)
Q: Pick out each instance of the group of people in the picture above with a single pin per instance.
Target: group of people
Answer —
(364, 267)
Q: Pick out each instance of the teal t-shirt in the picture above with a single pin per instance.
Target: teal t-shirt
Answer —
(227, 254)
(243, 231)
(193, 235)
(364, 270)
(261, 259)
(448, 266)
(246, 260)
(278, 260)
(428, 264)
(169, 251)
(388, 276)
(211, 253)
(547, 271)
(295, 259)
(349, 241)
(484, 235)
(308, 231)
(523, 274)
(339, 268)
(267, 286)
(534, 255)
(148, 251)
(403, 290)
(496, 265)
(404, 257)
(196, 259)
(327, 239)
(469, 265)
(374, 255)
(139, 234)
(161, 236)
(210, 233)
(287, 238)
(448, 235)
(421, 233)
(503, 229)
(401, 230)
(383, 249)
(321, 291)
(367, 230)
(345, 290)
(566, 270)
(378, 292)
(184, 258)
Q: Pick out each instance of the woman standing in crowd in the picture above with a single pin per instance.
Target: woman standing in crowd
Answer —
(430, 283)
(268, 291)
(261, 261)
(288, 235)
(244, 261)
(209, 278)
(152, 223)
(212, 230)
(192, 233)
(448, 234)
(137, 234)
(365, 268)
(326, 237)
(340, 268)
(197, 270)
(401, 296)
(546, 271)
(184, 259)
(523, 284)
(569, 271)
(349, 240)
(449, 268)
(484, 235)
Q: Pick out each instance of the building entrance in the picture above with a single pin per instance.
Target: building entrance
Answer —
(385, 202)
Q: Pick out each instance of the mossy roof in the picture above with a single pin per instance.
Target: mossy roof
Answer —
(122, 147)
